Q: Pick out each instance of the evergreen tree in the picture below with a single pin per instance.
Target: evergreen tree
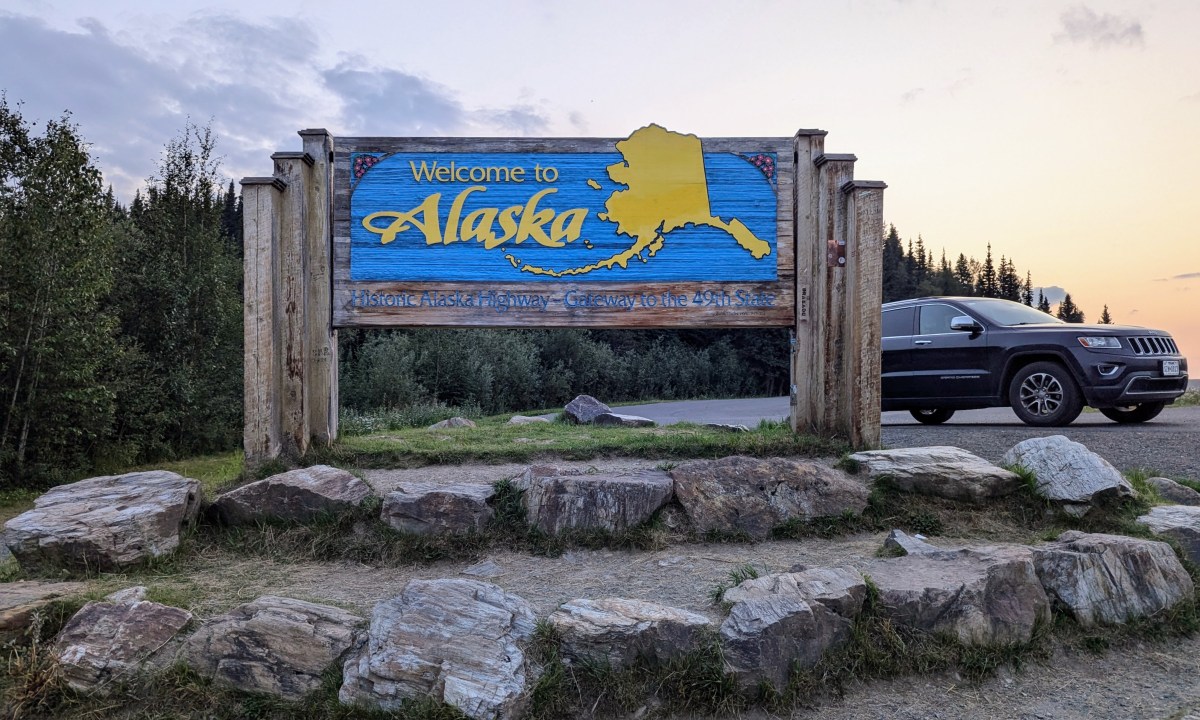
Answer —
(986, 284)
(964, 281)
(1105, 318)
(896, 285)
(1027, 290)
(180, 310)
(1068, 312)
(1043, 303)
(1009, 283)
(56, 257)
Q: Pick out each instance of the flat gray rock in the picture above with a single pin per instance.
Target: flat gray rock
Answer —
(1180, 523)
(105, 523)
(294, 496)
(902, 543)
(940, 471)
(461, 642)
(981, 596)
(105, 641)
(454, 422)
(1068, 473)
(20, 600)
(619, 420)
(754, 495)
(1111, 579)
(1174, 492)
(527, 420)
(555, 501)
(618, 631)
(274, 645)
(436, 509)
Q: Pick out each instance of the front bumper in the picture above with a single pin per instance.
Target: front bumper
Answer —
(1139, 381)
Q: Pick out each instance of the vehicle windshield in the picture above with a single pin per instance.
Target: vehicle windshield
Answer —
(1006, 312)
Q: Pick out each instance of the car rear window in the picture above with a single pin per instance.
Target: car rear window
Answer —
(898, 322)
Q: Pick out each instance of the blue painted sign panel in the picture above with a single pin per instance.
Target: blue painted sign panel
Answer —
(659, 209)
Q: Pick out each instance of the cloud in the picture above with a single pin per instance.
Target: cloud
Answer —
(256, 83)
(1053, 293)
(1081, 24)
(1184, 276)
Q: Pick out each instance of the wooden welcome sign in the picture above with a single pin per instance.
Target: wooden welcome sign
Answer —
(657, 229)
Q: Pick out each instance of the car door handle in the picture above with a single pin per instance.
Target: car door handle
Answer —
(922, 342)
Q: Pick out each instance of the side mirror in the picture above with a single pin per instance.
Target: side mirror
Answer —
(965, 323)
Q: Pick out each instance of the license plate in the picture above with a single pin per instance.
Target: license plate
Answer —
(1170, 368)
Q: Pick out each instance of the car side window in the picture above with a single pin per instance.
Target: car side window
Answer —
(898, 322)
(935, 318)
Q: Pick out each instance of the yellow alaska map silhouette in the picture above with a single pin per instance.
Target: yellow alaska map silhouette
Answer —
(667, 190)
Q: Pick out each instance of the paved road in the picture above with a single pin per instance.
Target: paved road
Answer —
(1169, 444)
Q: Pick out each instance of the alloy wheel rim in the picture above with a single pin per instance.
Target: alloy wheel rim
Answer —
(1041, 394)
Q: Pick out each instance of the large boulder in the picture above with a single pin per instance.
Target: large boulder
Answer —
(274, 645)
(1174, 492)
(556, 501)
(294, 496)
(779, 621)
(461, 642)
(107, 641)
(617, 631)
(105, 523)
(979, 596)
(528, 420)
(584, 409)
(755, 495)
(1180, 523)
(940, 471)
(433, 509)
(19, 601)
(1068, 473)
(1111, 579)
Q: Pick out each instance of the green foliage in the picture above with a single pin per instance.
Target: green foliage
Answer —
(56, 334)
(506, 370)
(179, 387)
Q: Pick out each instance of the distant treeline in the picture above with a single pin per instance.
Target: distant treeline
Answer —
(121, 327)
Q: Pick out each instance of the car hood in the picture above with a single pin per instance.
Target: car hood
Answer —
(1090, 328)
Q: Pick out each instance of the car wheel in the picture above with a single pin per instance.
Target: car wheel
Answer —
(1134, 413)
(1044, 394)
(934, 416)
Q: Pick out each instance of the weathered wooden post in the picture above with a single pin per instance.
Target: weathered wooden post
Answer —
(261, 229)
(861, 319)
(322, 365)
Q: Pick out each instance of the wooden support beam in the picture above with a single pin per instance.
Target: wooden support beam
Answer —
(322, 362)
(294, 169)
(261, 229)
(810, 145)
(861, 320)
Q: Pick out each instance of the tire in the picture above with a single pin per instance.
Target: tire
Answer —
(1044, 394)
(932, 416)
(1134, 413)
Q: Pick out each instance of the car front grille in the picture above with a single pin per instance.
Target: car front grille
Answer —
(1153, 345)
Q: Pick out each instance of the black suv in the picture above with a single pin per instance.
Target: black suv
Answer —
(943, 354)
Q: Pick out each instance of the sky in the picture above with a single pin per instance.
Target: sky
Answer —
(1064, 134)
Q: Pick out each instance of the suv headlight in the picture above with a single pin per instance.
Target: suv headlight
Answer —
(1100, 342)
